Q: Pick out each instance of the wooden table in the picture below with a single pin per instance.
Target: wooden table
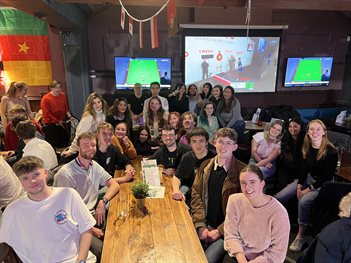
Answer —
(166, 234)
(344, 171)
(249, 125)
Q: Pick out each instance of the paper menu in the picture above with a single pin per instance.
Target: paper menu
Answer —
(150, 172)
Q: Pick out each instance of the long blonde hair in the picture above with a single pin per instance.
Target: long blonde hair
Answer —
(345, 206)
(322, 151)
(88, 109)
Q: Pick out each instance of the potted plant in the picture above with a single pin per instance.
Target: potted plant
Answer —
(140, 191)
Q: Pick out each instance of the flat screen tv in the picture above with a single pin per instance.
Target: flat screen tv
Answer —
(129, 71)
(308, 71)
(249, 64)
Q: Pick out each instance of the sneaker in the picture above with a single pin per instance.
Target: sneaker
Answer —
(297, 244)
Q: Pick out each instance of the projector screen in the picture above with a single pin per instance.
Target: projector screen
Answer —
(309, 71)
(249, 64)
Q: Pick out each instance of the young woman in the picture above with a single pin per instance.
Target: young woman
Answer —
(252, 212)
(16, 94)
(194, 98)
(320, 159)
(156, 118)
(119, 112)
(122, 142)
(265, 147)
(216, 96)
(94, 114)
(229, 112)
(207, 121)
(55, 111)
(142, 142)
(290, 160)
(206, 91)
(178, 100)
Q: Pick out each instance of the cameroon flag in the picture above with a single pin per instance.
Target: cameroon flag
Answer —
(24, 48)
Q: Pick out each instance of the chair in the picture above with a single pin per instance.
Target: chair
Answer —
(340, 139)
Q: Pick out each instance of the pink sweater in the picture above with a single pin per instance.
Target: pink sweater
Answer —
(262, 234)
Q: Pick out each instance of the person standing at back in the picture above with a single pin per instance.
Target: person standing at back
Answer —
(55, 110)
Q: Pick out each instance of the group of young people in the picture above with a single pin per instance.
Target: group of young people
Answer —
(225, 196)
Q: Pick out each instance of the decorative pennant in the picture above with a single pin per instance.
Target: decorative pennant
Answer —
(141, 41)
(154, 32)
(172, 18)
(130, 25)
(123, 17)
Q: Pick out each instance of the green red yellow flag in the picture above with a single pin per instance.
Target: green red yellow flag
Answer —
(24, 48)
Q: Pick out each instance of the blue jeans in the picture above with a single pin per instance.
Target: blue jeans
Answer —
(287, 193)
(304, 207)
(267, 172)
(215, 252)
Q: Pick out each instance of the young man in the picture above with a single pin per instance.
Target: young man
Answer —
(108, 156)
(168, 156)
(190, 163)
(136, 104)
(155, 91)
(36, 147)
(11, 188)
(47, 224)
(215, 181)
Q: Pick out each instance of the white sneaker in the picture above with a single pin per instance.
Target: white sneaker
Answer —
(297, 244)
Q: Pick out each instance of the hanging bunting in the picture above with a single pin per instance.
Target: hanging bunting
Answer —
(130, 25)
(154, 32)
(123, 17)
(141, 42)
(172, 18)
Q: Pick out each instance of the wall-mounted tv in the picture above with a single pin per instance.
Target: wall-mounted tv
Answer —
(249, 64)
(308, 71)
(129, 71)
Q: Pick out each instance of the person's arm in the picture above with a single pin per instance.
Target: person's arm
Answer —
(274, 154)
(84, 245)
(236, 113)
(176, 194)
(329, 163)
(129, 148)
(254, 146)
(198, 213)
(4, 101)
(28, 109)
(233, 242)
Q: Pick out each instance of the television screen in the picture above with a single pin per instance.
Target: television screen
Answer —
(129, 71)
(249, 64)
(309, 71)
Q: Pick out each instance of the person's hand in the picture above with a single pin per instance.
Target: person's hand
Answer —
(269, 165)
(305, 191)
(213, 235)
(203, 233)
(66, 153)
(100, 212)
(298, 193)
(128, 176)
(169, 171)
(7, 154)
(178, 195)
(125, 141)
(97, 232)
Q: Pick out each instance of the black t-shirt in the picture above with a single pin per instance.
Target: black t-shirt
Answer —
(215, 215)
(170, 159)
(188, 167)
(136, 104)
(111, 159)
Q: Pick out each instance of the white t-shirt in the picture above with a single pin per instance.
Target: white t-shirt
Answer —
(43, 150)
(47, 230)
(10, 186)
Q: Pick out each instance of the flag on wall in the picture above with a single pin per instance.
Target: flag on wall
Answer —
(130, 25)
(154, 32)
(141, 41)
(172, 18)
(123, 17)
(24, 48)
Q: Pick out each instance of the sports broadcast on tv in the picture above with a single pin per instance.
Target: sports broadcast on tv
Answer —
(129, 71)
(249, 64)
(309, 71)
